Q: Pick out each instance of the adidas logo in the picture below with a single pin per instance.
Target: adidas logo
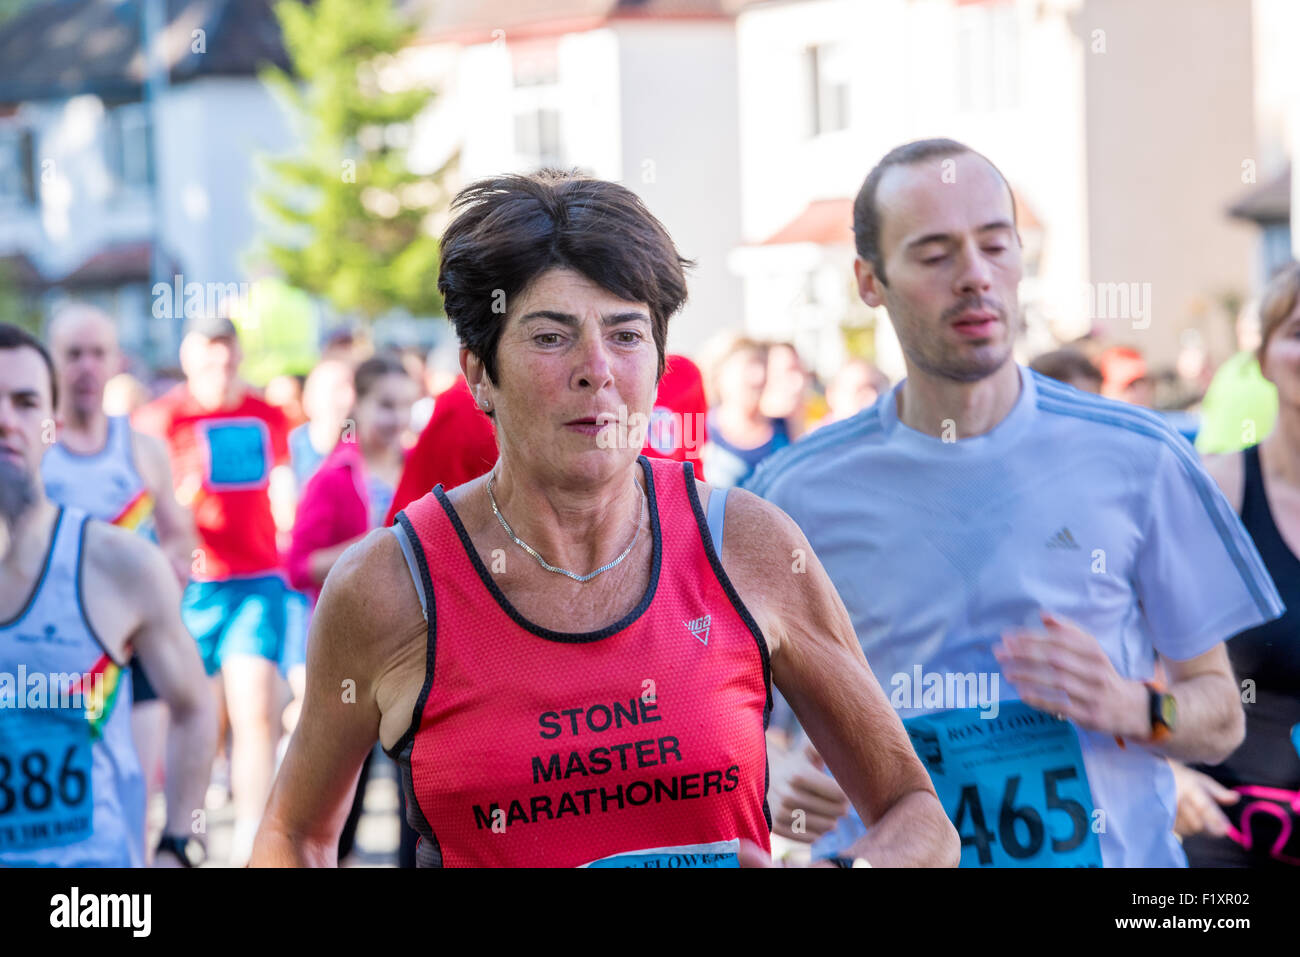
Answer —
(700, 627)
(1063, 539)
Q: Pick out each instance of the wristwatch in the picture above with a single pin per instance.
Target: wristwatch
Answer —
(1164, 712)
(188, 850)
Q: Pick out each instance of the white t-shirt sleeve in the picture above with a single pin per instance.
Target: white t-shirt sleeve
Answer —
(1199, 577)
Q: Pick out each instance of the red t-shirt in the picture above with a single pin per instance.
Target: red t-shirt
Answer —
(221, 468)
(458, 444)
(677, 420)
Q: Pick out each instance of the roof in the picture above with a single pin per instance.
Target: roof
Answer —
(1268, 202)
(477, 21)
(825, 222)
(62, 48)
(113, 265)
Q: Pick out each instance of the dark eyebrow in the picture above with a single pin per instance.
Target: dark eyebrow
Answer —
(999, 224)
(25, 393)
(567, 319)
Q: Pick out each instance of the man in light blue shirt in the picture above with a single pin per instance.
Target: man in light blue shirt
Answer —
(1015, 553)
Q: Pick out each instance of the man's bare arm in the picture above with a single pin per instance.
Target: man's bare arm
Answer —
(818, 664)
(176, 534)
(140, 573)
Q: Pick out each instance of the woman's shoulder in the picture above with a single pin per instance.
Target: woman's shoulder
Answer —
(369, 591)
(1229, 473)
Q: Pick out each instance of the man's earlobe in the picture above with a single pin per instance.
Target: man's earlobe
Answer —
(868, 284)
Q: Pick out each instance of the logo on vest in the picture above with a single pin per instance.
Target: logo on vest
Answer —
(700, 628)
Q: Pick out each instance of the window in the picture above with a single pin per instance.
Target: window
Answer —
(537, 136)
(17, 166)
(536, 76)
(128, 146)
(988, 58)
(828, 69)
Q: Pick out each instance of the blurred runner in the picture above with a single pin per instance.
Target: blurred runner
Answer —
(855, 387)
(1014, 553)
(230, 458)
(349, 495)
(1240, 406)
(1071, 367)
(785, 391)
(740, 435)
(327, 399)
(102, 466)
(79, 599)
(1259, 785)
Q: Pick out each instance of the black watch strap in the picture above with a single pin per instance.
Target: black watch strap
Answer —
(177, 846)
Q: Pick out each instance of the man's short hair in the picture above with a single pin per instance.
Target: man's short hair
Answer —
(866, 212)
(16, 337)
(1065, 365)
(508, 230)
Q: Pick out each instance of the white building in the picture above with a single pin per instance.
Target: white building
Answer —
(1122, 137)
(641, 93)
(84, 170)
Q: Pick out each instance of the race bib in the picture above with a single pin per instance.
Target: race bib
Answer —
(45, 779)
(236, 453)
(1014, 786)
(717, 854)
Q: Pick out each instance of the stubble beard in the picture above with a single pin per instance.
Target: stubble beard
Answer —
(931, 355)
(17, 493)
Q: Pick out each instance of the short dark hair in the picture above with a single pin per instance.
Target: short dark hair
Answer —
(374, 369)
(508, 230)
(16, 337)
(1066, 364)
(866, 213)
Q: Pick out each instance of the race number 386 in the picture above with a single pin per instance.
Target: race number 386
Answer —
(45, 789)
(1015, 787)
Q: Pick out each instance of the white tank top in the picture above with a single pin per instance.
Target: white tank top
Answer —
(71, 790)
(106, 483)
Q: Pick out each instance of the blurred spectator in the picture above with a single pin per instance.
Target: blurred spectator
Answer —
(1240, 406)
(123, 394)
(285, 393)
(678, 427)
(441, 369)
(1071, 366)
(855, 387)
(349, 343)
(785, 392)
(326, 399)
(740, 435)
(1258, 785)
(1124, 376)
(349, 495)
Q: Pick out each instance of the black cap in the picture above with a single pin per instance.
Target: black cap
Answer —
(212, 327)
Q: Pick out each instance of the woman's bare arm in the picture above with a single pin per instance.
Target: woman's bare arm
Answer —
(367, 619)
(819, 666)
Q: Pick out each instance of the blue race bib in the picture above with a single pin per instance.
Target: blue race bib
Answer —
(719, 854)
(1014, 786)
(236, 454)
(45, 778)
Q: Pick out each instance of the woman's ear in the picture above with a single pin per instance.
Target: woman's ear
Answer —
(480, 386)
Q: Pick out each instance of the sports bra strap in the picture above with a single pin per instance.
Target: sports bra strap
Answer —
(717, 510)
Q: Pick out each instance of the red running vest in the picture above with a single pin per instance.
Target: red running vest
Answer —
(533, 747)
